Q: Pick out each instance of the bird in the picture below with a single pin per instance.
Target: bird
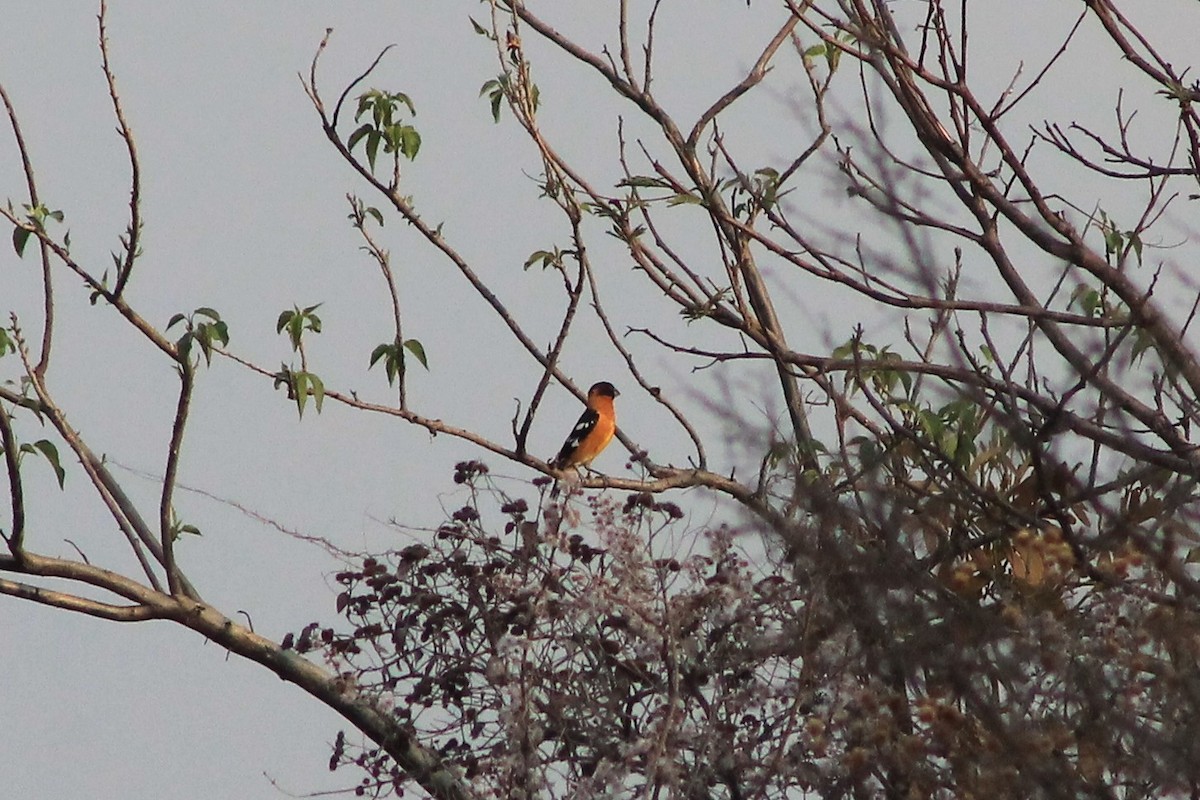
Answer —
(592, 432)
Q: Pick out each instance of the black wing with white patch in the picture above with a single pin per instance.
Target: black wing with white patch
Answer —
(582, 428)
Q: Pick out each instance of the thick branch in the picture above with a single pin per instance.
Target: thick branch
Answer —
(424, 765)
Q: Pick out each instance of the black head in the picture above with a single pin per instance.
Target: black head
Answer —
(603, 389)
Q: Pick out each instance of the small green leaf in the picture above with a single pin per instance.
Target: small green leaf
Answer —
(392, 355)
(417, 349)
(303, 384)
(373, 140)
(175, 320)
(546, 257)
(20, 239)
(205, 311)
(318, 391)
(203, 336)
(48, 450)
(379, 352)
(410, 142)
(295, 329)
(184, 344)
(358, 134)
(683, 198)
(300, 389)
(1135, 241)
(1112, 242)
(479, 28)
(645, 182)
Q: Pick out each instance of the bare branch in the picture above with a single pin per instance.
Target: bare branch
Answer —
(753, 78)
(133, 233)
(47, 284)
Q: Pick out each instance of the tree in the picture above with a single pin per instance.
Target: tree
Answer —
(979, 519)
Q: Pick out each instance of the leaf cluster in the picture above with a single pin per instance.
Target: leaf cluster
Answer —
(203, 328)
(384, 126)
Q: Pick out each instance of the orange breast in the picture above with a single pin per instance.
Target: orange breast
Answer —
(606, 426)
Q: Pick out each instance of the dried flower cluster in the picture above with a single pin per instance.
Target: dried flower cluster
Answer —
(584, 662)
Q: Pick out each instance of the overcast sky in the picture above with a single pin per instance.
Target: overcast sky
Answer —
(245, 211)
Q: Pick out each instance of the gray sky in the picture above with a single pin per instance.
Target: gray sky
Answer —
(245, 212)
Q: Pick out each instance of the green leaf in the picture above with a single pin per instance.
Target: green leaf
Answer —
(1113, 241)
(494, 89)
(184, 344)
(645, 182)
(683, 198)
(295, 329)
(417, 349)
(391, 356)
(1142, 341)
(410, 142)
(482, 31)
(47, 449)
(20, 239)
(1135, 241)
(318, 391)
(204, 338)
(205, 311)
(379, 352)
(1090, 300)
(300, 390)
(175, 320)
(206, 333)
(374, 212)
(358, 134)
(373, 140)
(548, 258)
(303, 384)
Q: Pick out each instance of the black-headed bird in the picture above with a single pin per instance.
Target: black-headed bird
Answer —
(594, 430)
